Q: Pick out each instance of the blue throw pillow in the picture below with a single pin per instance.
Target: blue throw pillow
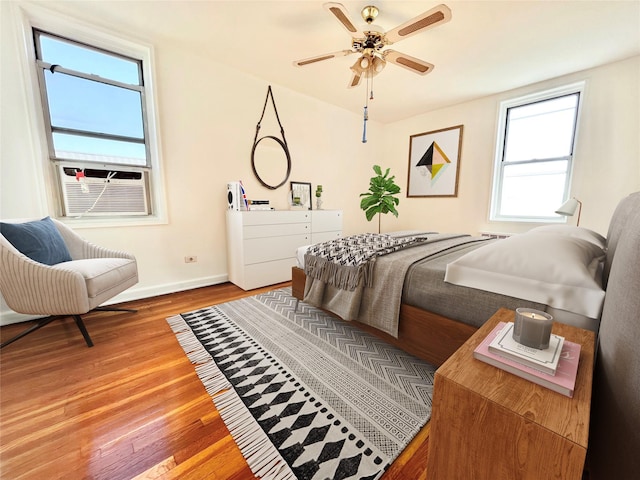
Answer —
(39, 240)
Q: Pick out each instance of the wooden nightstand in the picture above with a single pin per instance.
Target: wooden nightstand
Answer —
(489, 424)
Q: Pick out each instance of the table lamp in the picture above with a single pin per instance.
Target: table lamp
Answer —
(569, 207)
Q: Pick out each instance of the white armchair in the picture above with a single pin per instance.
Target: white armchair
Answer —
(69, 288)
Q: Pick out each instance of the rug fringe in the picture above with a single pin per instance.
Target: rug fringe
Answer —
(177, 324)
(261, 455)
(195, 351)
(212, 378)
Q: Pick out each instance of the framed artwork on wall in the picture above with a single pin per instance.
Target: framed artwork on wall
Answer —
(434, 163)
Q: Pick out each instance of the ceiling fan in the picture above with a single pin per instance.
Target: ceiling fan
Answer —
(370, 41)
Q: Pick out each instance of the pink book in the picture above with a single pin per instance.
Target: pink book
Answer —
(563, 381)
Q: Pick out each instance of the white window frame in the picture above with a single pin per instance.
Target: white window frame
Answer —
(33, 16)
(498, 170)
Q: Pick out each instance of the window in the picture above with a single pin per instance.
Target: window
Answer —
(95, 117)
(534, 155)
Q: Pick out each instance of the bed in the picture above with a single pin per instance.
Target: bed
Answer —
(434, 317)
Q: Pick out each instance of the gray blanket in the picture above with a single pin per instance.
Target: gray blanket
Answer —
(379, 306)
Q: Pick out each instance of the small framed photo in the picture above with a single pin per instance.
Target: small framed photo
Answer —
(301, 195)
(434, 163)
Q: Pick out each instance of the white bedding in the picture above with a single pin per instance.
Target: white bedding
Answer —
(300, 255)
(562, 271)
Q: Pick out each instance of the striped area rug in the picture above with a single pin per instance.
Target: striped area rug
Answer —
(304, 395)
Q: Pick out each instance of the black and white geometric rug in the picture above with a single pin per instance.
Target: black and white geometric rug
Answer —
(306, 396)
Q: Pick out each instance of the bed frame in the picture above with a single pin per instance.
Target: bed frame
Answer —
(424, 334)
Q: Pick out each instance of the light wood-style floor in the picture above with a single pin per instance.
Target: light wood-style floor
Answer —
(130, 407)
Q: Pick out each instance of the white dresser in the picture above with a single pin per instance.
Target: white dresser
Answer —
(325, 225)
(261, 245)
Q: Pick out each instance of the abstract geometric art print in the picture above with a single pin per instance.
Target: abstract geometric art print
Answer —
(434, 161)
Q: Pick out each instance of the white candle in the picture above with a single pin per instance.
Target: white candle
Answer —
(532, 328)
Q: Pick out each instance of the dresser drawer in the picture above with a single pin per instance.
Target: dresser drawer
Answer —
(276, 230)
(326, 220)
(268, 273)
(274, 217)
(266, 249)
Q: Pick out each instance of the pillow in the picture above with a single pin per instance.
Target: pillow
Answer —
(39, 240)
(561, 271)
(578, 232)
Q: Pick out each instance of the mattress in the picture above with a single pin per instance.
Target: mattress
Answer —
(425, 288)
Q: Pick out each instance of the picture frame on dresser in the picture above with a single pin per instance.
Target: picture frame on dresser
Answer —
(300, 195)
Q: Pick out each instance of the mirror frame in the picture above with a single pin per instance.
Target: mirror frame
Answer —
(253, 162)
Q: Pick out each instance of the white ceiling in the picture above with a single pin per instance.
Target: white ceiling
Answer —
(486, 48)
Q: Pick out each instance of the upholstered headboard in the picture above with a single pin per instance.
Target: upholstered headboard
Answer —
(614, 440)
(617, 226)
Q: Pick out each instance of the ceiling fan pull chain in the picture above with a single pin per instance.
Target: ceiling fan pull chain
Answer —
(366, 114)
(371, 97)
(364, 129)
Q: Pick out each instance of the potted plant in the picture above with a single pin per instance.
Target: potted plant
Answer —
(381, 197)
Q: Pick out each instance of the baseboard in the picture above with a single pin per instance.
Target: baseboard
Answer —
(8, 317)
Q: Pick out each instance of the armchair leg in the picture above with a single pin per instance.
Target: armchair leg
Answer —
(83, 329)
(77, 318)
(41, 323)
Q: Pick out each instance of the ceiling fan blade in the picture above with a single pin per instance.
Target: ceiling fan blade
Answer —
(355, 79)
(429, 19)
(341, 13)
(407, 61)
(320, 58)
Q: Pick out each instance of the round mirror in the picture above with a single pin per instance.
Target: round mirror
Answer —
(271, 162)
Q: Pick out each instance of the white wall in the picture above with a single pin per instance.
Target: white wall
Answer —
(208, 115)
(607, 155)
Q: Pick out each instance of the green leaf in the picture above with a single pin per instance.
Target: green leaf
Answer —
(370, 213)
(380, 197)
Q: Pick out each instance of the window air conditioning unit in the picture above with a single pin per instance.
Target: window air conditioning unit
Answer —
(103, 192)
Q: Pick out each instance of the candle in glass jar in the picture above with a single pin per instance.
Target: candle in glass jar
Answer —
(532, 328)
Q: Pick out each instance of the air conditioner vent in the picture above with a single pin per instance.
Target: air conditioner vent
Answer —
(124, 193)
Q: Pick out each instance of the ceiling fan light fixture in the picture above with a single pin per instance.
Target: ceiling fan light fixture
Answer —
(356, 68)
(379, 64)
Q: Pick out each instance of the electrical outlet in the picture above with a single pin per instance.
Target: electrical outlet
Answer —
(190, 259)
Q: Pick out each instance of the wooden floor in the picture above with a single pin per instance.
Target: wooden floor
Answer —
(130, 407)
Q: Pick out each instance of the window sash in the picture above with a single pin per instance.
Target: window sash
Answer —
(546, 178)
(520, 178)
(554, 130)
(79, 54)
(57, 135)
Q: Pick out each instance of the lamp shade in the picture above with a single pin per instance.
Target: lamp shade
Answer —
(569, 207)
